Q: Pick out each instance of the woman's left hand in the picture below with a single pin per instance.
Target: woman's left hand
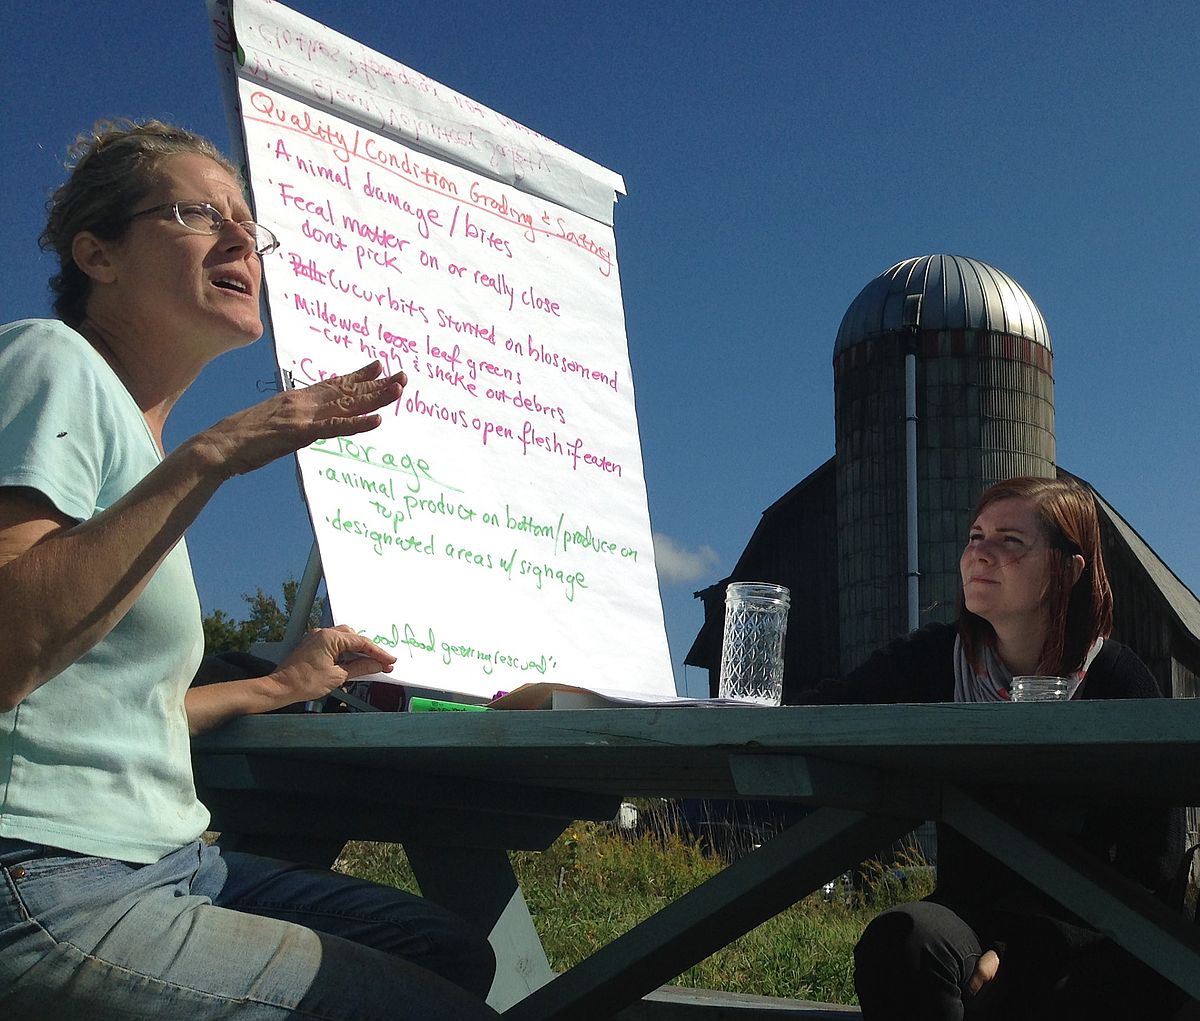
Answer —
(326, 659)
(282, 424)
(985, 971)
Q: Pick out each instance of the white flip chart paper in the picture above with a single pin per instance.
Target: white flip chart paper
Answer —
(494, 530)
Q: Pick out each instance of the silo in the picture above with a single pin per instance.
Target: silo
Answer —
(984, 411)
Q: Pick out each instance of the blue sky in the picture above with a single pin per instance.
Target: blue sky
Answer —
(778, 156)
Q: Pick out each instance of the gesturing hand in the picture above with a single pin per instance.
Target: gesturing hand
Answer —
(326, 659)
(340, 406)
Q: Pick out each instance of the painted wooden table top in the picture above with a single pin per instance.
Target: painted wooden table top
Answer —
(1112, 749)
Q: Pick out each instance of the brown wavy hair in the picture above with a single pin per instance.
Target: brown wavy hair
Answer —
(112, 168)
(1079, 611)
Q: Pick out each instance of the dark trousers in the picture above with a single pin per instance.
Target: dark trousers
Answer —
(914, 961)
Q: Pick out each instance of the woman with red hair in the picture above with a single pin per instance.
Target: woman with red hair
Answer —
(987, 944)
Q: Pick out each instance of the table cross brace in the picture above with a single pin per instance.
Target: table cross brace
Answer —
(1103, 898)
(745, 894)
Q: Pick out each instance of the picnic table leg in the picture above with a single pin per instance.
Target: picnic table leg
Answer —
(479, 884)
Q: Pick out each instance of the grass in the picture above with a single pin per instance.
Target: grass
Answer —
(594, 883)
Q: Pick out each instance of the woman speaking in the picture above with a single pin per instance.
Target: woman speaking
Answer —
(111, 907)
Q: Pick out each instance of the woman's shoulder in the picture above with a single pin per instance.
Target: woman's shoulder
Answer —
(43, 345)
(45, 360)
(933, 641)
(1118, 672)
(918, 667)
(68, 427)
(34, 330)
(935, 636)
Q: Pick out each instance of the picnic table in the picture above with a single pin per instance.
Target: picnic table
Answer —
(460, 790)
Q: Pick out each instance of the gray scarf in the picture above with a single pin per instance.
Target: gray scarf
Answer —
(992, 683)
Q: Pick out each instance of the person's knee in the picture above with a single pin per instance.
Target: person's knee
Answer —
(469, 960)
(452, 947)
(356, 981)
(893, 940)
(912, 961)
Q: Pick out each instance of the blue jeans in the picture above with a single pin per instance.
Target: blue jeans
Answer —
(204, 935)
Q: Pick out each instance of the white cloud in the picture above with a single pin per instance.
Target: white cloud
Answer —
(677, 565)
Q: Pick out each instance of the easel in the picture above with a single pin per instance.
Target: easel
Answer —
(297, 625)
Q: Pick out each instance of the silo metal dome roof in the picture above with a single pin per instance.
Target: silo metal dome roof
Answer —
(956, 293)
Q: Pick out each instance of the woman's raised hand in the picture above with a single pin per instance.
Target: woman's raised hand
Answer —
(339, 406)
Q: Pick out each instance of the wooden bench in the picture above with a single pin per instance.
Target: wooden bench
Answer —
(674, 1003)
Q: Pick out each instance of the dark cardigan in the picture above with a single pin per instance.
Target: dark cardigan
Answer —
(1144, 842)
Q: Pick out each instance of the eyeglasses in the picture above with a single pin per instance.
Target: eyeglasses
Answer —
(202, 218)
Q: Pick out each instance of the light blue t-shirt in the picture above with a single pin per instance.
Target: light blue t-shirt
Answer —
(97, 760)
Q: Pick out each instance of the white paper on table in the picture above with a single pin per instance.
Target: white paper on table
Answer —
(548, 695)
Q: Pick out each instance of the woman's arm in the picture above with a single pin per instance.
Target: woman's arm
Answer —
(64, 585)
(916, 668)
(324, 660)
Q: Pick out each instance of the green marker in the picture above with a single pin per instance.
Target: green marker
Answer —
(416, 704)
